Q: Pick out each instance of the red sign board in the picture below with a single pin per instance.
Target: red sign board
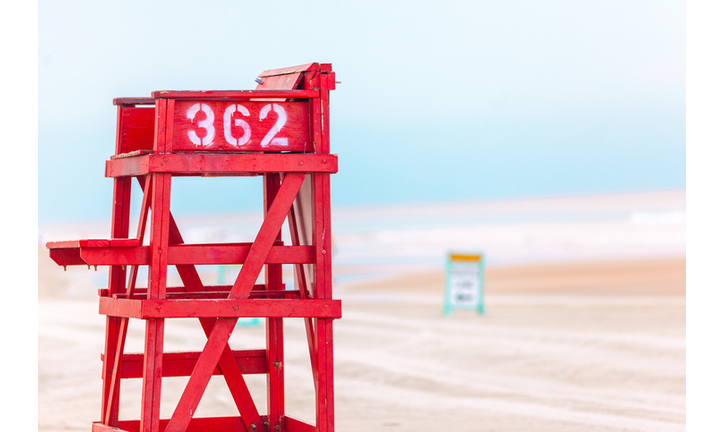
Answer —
(241, 126)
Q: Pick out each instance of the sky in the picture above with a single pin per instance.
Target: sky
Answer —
(438, 101)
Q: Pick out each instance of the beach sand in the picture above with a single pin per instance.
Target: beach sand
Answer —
(579, 347)
(572, 345)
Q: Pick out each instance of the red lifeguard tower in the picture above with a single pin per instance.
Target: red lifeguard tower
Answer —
(279, 131)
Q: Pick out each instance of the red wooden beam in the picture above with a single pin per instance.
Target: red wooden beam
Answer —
(235, 95)
(229, 368)
(202, 254)
(180, 364)
(132, 101)
(188, 291)
(293, 425)
(228, 308)
(204, 424)
(221, 164)
(219, 335)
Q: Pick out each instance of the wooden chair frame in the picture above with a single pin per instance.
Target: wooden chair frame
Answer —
(296, 190)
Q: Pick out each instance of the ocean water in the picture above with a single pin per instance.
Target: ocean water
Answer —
(374, 241)
(391, 163)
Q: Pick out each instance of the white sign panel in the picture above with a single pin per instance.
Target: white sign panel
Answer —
(464, 284)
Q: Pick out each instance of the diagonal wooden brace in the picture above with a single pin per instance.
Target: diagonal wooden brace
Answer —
(227, 363)
(267, 235)
(222, 329)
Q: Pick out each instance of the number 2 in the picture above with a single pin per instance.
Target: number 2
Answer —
(269, 138)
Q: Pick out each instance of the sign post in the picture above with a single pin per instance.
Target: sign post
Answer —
(464, 278)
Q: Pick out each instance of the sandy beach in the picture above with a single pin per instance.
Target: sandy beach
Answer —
(584, 326)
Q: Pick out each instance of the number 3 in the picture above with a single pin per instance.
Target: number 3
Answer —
(207, 124)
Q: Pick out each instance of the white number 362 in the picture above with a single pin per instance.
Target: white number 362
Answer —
(208, 125)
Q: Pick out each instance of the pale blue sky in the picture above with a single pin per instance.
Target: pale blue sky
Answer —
(438, 101)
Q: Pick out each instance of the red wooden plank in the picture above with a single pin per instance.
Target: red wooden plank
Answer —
(94, 243)
(64, 244)
(293, 425)
(131, 101)
(120, 222)
(110, 416)
(323, 290)
(116, 256)
(137, 128)
(214, 292)
(228, 308)
(229, 368)
(158, 243)
(234, 95)
(127, 427)
(302, 285)
(221, 332)
(212, 125)
(266, 236)
(296, 70)
(157, 273)
(325, 377)
(204, 254)
(179, 364)
(204, 424)
(274, 326)
(140, 232)
(118, 242)
(130, 166)
(152, 366)
(209, 254)
(221, 164)
(66, 256)
(199, 379)
(325, 86)
(322, 236)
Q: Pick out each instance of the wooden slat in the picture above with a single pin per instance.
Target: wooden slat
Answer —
(221, 164)
(236, 254)
(210, 254)
(229, 368)
(101, 427)
(229, 308)
(265, 238)
(235, 95)
(287, 71)
(66, 256)
(274, 326)
(203, 424)
(198, 381)
(259, 289)
(293, 425)
(134, 101)
(136, 129)
(181, 364)
(211, 126)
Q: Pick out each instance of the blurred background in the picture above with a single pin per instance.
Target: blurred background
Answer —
(440, 107)
(552, 136)
(438, 102)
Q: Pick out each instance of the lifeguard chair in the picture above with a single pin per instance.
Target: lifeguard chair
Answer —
(279, 131)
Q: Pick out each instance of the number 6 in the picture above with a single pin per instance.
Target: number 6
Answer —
(238, 142)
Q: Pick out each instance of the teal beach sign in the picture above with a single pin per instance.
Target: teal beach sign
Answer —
(464, 279)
